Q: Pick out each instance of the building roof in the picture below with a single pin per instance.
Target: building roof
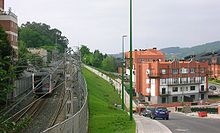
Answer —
(145, 52)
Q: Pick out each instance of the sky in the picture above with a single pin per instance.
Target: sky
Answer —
(100, 24)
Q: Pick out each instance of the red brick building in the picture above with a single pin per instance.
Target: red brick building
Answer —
(159, 81)
(214, 68)
(8, 21)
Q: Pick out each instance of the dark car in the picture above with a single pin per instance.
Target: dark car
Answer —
(160, 112)
(147, 112)
(212, 87)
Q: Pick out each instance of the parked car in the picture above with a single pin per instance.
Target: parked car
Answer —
(147, 112)
(212, 87)
(160, 112)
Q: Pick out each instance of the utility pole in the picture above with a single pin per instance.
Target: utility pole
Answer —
(68, 89)
(131, 90)
(123, 64)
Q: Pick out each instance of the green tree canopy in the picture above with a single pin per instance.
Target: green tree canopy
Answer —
(109, 64)
(6, 67)
(39, 34)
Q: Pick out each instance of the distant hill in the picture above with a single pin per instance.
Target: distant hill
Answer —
(183, 52)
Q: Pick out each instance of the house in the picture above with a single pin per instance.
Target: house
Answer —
(8, 21)
(159, 81)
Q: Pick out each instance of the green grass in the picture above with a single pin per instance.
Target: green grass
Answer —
(214, 81)
(103, 116)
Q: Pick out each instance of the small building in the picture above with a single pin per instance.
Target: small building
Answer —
(8, 21)
(158, 81)
(40, 52)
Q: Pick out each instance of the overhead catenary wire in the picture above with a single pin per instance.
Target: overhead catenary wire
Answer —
(32, 103)
(30, 91)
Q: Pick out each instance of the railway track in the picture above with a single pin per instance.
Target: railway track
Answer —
(30, 111)
(59, 109)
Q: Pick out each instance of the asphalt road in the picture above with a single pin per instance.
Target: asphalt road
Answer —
(180, 123)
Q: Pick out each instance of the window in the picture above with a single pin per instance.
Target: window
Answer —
(181, 89)
(163, 71)
(186, 88)
(163, 90)
(192, 96)
(164, 99)
(184, 70)
(192, 88)
(202, 96)
(202, 79)
(175, 71)
(148, 81)
(174, 99)
(148, 98)
(202, 88)
(192, 70)
(148, 90)
(192, 80)
(183, 80)
(202, 70)
(163, 81)
(175, 89)
(175, 81)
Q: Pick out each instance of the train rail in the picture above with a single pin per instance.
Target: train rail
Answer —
(31, 111)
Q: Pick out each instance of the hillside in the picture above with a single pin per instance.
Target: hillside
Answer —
(182, 52)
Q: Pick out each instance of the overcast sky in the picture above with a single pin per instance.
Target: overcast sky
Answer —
(100, 23)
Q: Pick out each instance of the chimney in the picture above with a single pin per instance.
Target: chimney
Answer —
(155, 48)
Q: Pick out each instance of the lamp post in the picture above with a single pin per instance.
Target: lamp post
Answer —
(131, 90)
(123, 64)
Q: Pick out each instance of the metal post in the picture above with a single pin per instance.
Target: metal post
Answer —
(131, 90)
(123, 61)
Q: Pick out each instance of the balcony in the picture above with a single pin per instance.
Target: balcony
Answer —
(154, 75)
(165, 93)
(8, 13)
(185, 82)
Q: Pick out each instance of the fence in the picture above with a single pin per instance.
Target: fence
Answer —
(117, 84)
(78, 123)
(22, 85)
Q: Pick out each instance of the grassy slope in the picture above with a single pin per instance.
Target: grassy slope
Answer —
(104, 117)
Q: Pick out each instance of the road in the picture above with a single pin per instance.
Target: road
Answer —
(180, 123)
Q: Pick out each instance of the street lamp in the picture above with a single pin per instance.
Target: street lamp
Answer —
(123, 62)
(131, 90)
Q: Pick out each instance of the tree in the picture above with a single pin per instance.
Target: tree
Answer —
(39, 34)
(6, 68)
(98, 57)
(109, 64)
(84, 50)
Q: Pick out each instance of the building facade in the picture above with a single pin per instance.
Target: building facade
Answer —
(8, 21)
(214, 67)
(158, 81)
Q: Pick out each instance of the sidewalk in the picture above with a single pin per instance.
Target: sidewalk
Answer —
(147, 125)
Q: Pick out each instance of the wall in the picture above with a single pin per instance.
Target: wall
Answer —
(116, 83)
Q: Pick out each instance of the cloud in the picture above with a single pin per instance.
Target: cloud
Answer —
(101, 23)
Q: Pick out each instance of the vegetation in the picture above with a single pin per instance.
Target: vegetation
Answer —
(214, 81)
(7, 73)
(98, 60)
(37, 35)
(104, 116)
